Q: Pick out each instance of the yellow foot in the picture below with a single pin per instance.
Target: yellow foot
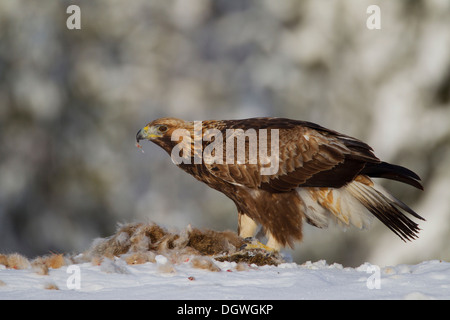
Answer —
(252, 243)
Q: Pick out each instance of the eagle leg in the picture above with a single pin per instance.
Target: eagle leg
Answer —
(246, 226)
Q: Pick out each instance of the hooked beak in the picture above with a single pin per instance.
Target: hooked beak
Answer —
(140, 135)
(147, 133)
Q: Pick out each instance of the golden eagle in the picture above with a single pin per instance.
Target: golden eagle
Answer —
(280, 172)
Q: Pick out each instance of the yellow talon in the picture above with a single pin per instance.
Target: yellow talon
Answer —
(255, 244)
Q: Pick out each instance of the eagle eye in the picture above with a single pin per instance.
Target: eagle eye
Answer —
(162, 128)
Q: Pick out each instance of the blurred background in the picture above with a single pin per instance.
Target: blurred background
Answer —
(71, 102)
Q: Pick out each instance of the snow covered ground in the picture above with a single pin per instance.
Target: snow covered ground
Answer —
(115, 279)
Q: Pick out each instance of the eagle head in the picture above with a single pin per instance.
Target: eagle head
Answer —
(159, 128)
(160, 131)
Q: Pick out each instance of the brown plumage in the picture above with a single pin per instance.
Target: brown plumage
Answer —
(314, 175)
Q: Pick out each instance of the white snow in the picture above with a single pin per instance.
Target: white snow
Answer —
(115, 279)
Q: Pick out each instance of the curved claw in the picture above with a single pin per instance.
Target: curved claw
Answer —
(252, 243)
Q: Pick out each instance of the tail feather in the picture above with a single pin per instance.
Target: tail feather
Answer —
(397, 202)
(355, 204)
(387, 209)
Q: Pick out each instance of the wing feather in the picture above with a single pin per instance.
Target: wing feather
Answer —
(309, 156)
